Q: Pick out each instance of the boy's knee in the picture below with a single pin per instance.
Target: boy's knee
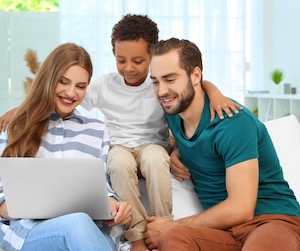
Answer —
(121, 169)
(155, 156)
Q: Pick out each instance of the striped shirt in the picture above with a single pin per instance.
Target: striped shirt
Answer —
(74, 136)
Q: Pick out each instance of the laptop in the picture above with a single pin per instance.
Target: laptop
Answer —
(43, 188)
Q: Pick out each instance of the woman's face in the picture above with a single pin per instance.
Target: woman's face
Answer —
(70, 90)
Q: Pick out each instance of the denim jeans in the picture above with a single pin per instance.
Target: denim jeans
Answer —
(70, 232)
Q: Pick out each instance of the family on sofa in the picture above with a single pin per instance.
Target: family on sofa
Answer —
(231, 161)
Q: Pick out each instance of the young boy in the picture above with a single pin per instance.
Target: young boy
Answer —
(137, 125)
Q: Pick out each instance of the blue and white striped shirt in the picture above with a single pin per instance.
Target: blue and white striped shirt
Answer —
(74, 136)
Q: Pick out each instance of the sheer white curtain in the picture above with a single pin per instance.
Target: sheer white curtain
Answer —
(216, 26)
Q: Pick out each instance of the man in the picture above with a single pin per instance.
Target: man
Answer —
(232, 163)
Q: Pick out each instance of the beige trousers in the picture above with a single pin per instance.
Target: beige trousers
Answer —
(152, 162)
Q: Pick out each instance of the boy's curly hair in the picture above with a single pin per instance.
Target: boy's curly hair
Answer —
(134, 27)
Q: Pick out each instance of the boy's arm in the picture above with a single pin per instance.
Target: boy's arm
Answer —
(218, 102)
(6, 118)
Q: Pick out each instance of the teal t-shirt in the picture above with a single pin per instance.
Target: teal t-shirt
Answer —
(218, 145)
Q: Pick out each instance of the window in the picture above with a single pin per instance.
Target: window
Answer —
(216, 26)
(17, 40)
(20, 30)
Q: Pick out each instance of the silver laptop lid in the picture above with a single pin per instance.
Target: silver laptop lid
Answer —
(41, 188)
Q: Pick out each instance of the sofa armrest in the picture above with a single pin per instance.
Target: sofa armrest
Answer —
(285, 134)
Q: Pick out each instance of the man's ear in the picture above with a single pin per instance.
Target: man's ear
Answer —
(196, 76)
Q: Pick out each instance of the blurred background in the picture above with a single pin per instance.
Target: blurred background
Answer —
(242, 41)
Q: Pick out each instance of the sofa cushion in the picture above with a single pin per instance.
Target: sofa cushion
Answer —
(185, 199)
(285, 134)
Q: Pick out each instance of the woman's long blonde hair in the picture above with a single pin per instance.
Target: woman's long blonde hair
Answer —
(31, 119)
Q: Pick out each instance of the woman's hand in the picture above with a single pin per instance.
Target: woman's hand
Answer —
(3, 211)
(121, 211)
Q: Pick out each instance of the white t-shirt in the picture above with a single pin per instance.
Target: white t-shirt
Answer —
(132, 113)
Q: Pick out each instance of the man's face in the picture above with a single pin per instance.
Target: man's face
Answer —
(172, 85)
(132, 59)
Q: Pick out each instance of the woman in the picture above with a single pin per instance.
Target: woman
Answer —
(47, 125)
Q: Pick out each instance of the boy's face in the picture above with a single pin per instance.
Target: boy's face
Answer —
(132, 60)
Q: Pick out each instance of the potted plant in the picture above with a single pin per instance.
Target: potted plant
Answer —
(277, 76)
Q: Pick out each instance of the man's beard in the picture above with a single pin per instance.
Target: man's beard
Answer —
(185, 99)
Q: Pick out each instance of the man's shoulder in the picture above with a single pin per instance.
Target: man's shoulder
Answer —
(243, 117)
(244, 123)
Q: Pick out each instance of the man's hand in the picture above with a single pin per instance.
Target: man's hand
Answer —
(177, 168)
(156, 225)
(121, 211)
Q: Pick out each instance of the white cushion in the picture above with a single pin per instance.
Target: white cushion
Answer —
(285, 134)
(185, 199)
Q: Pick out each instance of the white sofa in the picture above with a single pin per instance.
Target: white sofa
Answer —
(285, 134)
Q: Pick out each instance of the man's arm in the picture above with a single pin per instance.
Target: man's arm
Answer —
(238, 207)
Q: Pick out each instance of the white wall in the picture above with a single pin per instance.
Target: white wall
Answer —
(281, 44)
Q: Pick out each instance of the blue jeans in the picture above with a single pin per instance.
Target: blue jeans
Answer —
(70, 232)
